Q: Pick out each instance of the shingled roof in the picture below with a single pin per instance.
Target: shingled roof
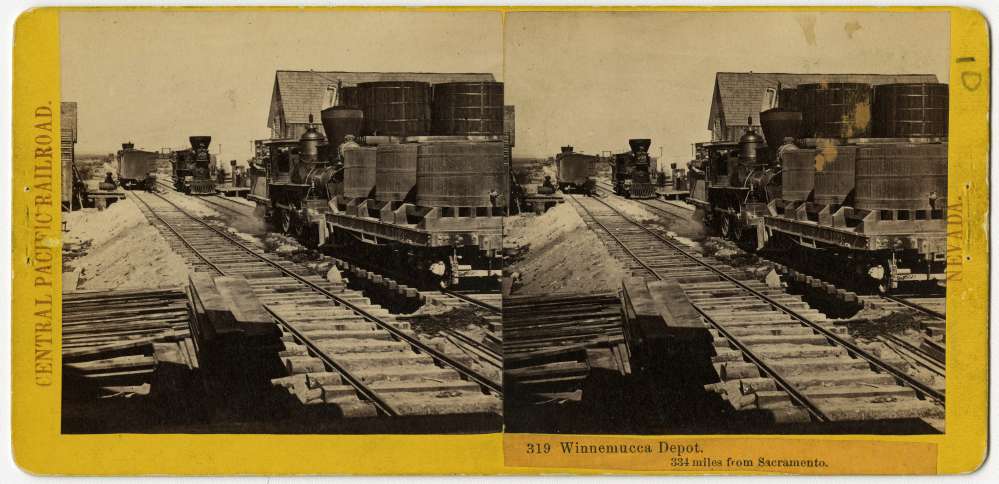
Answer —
(741, 93)
(299, 93)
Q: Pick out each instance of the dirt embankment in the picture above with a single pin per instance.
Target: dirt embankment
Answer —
(558, 253)
(118, 248)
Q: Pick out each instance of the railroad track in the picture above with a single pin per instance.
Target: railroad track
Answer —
(928, 307)
(377, 360)
(772, 351)
(229, 205)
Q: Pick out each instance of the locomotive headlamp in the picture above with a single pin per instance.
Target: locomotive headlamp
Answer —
(876, 272)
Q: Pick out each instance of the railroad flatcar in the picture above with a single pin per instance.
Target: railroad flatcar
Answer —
(134, 165)
(631, 171)
(574, 171)
(382, 187)
(870, 212)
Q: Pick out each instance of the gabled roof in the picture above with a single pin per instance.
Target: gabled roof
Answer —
(741, 93)
(299, 93)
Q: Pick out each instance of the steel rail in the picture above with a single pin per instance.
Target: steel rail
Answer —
(476, 302)
(931, 363)
(358, 385)
(853, 348)
(916, 307)
(397, 333)
(811, 407)
(489, 352)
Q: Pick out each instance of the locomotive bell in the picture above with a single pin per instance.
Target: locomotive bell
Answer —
(749, 144)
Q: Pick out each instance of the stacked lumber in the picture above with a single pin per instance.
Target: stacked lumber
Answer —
(237, 342)
(552, 343)
(661, 324)
(113, 342)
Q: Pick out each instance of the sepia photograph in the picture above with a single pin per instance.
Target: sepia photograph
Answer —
(727, 222)
(282, 221)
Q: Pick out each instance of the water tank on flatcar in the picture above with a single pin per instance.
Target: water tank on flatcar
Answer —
(798, 174)
(395, 171)
(396, 108)
(834, 173)
(461, 174)
(835, 109)
(918, 110)
(359, 172)
(901, 176)
(468, 109)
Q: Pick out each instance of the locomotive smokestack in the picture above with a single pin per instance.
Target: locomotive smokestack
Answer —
(339, 121)
(567, 149)
(640, 144)
(200, 142)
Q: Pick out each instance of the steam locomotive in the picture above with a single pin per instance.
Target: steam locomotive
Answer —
(574, 171)
(630, 171)
(818, 186)
(383, 186)
(192, 168)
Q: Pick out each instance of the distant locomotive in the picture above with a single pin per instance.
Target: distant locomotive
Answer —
(574, 171)
(631, 171)
(134, 165)
(200, 162)
(385, 186)
(866, 209)
(182, 162)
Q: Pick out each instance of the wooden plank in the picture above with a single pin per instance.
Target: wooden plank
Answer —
(218, 316)
(247, 312)
(681, 320)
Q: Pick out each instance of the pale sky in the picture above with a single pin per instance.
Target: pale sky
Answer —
(157, 77)
(593, 80)
(589, 79)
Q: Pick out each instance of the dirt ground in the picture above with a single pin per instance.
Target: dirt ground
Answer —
(120, 250)
(559, 254)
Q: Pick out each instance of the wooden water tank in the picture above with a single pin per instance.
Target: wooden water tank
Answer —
(395, 171)
(835, 110)
(468, 109)
(395, 108)
(798, 174)
(359, 171)
(460, 174)
(911, 110)
(834, 174)
(901, 176)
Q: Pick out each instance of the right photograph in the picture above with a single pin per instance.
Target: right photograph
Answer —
(726, 223)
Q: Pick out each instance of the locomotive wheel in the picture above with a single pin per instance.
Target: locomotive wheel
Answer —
(284, 219)
(726, 226)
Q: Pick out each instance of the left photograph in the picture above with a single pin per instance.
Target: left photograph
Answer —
(283, 221)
